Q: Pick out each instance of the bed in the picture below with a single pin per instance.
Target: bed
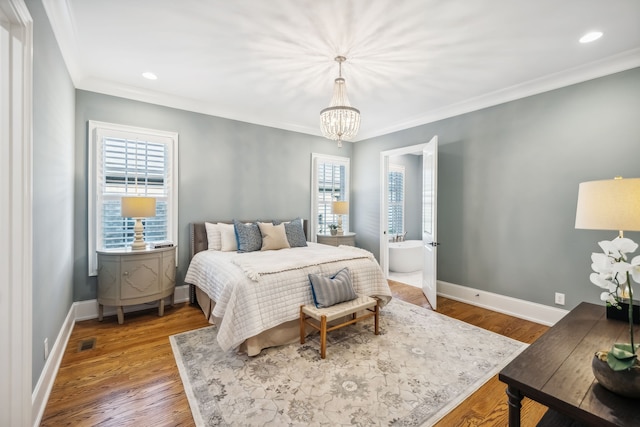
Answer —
(254, 297)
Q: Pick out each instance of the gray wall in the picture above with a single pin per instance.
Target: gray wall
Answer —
(508, 183)
(53, 169)
(412, 193)
(227, 169)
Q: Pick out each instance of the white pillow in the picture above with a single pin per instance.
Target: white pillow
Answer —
(228, 237)
(214, 238)
(273, 236)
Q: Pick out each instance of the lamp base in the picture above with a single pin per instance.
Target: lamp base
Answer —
(340, 231)
(136, 246)
(138, 239)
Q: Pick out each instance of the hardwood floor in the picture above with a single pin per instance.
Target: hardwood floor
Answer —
(488, 405)
(130, 377)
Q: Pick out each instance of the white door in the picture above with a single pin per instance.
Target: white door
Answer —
(429, 216)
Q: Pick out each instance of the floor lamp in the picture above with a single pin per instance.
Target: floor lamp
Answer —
(138, 208)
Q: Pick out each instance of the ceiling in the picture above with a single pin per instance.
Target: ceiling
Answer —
(409, 62)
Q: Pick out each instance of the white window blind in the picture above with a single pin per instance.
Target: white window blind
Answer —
(130, 161)
(132, 168)
(330, 183)
(396, 200)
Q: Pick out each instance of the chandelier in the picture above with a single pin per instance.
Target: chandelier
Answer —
(339, 121)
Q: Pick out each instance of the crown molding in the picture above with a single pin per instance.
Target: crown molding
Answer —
(107, 87)
(65, 32)
(604, 67)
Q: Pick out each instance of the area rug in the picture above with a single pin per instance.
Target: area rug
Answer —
(419, 368)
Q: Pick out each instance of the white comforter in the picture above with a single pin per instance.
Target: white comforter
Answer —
(256, 291)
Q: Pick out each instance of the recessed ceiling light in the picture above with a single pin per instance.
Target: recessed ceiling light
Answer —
(590, 37)
(150, 76)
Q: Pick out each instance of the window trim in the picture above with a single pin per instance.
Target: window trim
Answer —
(96, 130)
(315, 159)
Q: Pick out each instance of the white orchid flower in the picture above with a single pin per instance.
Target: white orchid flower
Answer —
(635, 268)
(602, 281)
(601, 263)
(608, 298)
(620, 270)
(618, 247)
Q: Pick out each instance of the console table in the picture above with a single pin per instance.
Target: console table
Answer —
(556, 371)
(128, 277)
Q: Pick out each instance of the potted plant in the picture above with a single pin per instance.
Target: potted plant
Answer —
(333, 229)
(613, 273)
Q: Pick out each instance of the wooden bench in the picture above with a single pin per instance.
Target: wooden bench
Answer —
(325, 315)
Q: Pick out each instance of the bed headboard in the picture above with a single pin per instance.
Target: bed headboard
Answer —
(198, 235)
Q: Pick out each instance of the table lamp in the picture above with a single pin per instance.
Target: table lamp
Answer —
(340, 208)
(611, 204)
(138, 208)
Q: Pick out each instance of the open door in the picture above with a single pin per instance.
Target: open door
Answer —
(429, 219)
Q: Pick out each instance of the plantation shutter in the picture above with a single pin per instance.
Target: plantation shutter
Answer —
(396, 200)
(133, 168)
(330, 184)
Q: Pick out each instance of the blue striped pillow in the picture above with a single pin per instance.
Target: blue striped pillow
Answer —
(332, 289)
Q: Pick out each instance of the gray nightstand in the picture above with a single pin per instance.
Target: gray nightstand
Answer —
(348, 239)
(127, 277)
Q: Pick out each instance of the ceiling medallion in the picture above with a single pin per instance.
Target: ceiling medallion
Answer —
(339, 121)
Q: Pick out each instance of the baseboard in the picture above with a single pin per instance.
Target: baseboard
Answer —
(41, 392)
(515, 307)
(88, 309)
(80, 310)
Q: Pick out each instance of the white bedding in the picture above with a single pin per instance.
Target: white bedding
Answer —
(256, 291)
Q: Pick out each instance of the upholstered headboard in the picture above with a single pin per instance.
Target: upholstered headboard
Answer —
(198, 235)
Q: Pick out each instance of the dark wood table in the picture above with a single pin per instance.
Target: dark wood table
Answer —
(556, 371)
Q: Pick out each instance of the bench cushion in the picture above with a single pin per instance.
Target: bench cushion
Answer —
(340, 310)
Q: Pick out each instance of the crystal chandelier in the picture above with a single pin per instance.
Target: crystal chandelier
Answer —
(339, 121)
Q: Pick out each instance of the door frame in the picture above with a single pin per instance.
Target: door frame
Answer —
(384, 192)
(16, 211)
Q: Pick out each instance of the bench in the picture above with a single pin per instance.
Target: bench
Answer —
(325, 315)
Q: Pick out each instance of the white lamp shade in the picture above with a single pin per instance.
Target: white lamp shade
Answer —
(340, 208)
(138, 207)
(612, 204)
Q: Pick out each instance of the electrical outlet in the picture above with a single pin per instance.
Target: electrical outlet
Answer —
(46, 348)
(559, 298)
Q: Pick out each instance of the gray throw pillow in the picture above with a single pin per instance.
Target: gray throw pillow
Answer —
(332, 289)
(295, 233)
(248, 236)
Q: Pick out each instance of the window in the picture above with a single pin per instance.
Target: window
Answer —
(128, 161)
(329, 183)
(396, 200)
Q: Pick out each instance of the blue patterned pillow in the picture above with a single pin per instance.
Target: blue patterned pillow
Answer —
(248, 236)
(332, 289)
(295, 233)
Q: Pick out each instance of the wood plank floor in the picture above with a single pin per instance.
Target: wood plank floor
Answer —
(130, 377)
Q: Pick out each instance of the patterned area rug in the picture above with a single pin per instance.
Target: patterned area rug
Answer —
(421, 366)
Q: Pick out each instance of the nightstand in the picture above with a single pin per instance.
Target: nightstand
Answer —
(128, 277)
(348, 239)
